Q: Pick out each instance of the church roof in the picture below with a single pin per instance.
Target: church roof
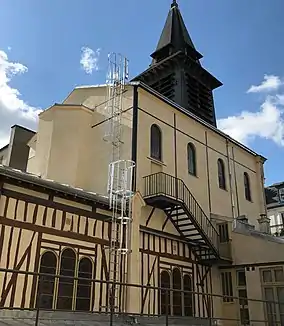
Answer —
(175, 33)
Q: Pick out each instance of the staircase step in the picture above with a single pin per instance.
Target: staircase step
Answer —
(176, 215)
(187, 225)
(184, 222)
(182, 219)
(184, 211)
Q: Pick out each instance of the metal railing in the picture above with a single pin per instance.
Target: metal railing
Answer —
(258, 310)
(164, 184)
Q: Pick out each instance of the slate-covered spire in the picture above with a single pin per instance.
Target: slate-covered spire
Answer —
(176, 72)
(174, 37)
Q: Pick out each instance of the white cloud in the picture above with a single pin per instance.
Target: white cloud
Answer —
(270, 83)
(266, 123)
(90, 59)
(13, 110)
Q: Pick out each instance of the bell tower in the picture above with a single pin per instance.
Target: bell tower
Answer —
(176, 72)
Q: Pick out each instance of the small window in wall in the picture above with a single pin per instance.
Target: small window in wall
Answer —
(227, 286)
(156, 142)
(66, 280)
(84, 285)
(176, 302)
(241, 277)
(188, 297)
(273, 275)
(221, 174)
(177, 295)
(46, 283)
(165, 295)
(223, 232)
(242, 294)
(247, 187)
(191, 159)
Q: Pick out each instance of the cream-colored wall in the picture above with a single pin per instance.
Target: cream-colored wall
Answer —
(43, 146)
(66, 135)
(70, 126)
(230, 202)
(70, 146)
(100, 146)
(261, 249)
(254, 291)
(88, 96)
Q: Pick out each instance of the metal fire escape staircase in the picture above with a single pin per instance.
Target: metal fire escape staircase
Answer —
(172, 196)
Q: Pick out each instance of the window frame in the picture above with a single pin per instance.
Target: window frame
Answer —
(59, 277)
(247, 187)
(227, 287)
(82, 283)
(273, 311)
(42, 278)
(191, 158)
(156, 141)
(64, 279)
(221, 174)
(173, 296)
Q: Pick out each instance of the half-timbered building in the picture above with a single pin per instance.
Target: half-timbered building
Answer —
(200, 234)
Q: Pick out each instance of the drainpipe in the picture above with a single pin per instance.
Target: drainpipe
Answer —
(230, 180)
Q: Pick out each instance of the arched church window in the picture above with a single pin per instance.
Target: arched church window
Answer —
(165, 295)
(177, 295)
(191, 159)
(46, 283)
(247, 186)
(221, 174)
(84, 286)
(188, 297)
(66, 280)
(156, 142)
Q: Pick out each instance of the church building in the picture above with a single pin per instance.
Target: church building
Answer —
(201, 252)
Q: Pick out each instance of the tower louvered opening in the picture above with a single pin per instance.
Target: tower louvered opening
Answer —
(200, 99)
(165, 86)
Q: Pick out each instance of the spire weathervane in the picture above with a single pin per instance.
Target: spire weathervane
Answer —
(174, 4)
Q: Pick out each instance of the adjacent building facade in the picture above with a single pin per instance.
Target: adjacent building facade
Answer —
(275, 208)
(199, 214)
(15, 154)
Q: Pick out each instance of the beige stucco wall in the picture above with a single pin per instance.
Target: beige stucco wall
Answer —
(88, 96)
(71, 147)
(74, 135)
(230, 202)
(261, 249)
(43, 145)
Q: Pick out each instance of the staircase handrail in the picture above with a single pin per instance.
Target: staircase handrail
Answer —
(187, 203)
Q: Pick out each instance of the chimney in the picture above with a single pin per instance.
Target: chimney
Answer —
(264, 224)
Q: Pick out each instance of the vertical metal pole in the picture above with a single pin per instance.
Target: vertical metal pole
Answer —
(38, 298)
(37, 316)
(167, 307)
(112, 294)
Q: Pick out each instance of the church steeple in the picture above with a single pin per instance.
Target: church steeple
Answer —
(174, 37)
(176, 72)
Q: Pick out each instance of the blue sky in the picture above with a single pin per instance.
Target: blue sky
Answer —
(41, 47)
